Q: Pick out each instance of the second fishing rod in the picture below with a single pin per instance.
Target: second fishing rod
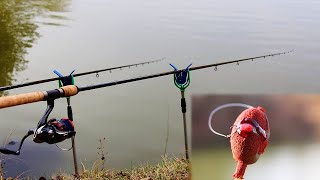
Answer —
(61, 77)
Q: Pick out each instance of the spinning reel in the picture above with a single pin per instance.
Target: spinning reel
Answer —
(51, 132)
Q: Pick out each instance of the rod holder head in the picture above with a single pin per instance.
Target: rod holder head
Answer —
(65, 80)
(181, 77)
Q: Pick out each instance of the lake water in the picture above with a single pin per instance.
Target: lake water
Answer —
(285, 162)
(86, 35)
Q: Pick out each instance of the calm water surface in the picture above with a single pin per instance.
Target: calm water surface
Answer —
(85, 35)
(285, 162)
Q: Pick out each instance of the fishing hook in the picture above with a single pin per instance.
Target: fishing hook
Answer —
(222, 107)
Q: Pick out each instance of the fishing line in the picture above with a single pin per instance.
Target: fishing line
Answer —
(63, 149)
(222, 107)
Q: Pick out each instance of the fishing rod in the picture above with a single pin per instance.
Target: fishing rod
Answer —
(57, 130)
(71, 90)
(4, 88)
(102, 85)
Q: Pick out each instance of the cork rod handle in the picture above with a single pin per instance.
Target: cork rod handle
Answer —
(70, 90)
(15, 100)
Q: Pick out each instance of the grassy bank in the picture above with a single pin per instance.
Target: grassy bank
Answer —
(168, 168)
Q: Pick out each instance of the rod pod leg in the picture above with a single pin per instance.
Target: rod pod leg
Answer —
(184, 110)
(182, 81)
(75, 162)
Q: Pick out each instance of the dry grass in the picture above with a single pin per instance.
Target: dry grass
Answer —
(168, 168)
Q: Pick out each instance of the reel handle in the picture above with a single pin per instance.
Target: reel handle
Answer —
(15, 100)
(8, 151)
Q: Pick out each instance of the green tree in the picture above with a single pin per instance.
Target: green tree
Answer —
(18, 32)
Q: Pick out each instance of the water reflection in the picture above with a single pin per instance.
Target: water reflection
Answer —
(27, 163)
(18, 32)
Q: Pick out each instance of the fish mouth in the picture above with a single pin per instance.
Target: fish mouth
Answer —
(248, 126)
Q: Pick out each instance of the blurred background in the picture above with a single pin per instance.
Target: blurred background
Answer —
(294, 144)
(142, 121)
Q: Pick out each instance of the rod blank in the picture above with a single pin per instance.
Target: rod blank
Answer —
(102, 85)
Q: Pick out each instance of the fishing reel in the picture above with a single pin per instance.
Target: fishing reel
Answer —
(51, 132)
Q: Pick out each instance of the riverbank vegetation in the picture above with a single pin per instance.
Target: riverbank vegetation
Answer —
(168, 168)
